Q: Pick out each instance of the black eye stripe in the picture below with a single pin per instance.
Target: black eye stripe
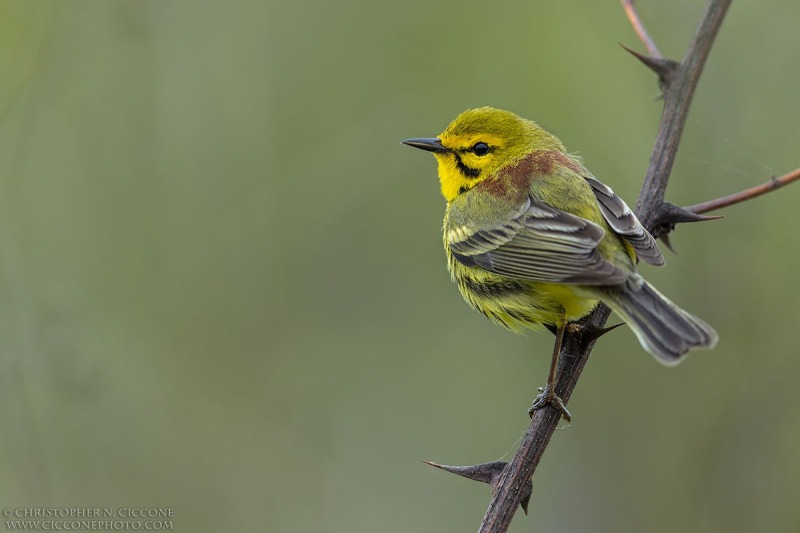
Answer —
(468, 172)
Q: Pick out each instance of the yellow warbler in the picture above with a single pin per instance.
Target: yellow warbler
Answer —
(534, 239)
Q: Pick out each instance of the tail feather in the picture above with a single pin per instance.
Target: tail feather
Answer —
(664, 329)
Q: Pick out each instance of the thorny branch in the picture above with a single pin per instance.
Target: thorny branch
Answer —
(678, 90)
(511, 482)
(678, 81)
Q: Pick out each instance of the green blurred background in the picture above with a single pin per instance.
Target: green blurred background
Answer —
(223, 289)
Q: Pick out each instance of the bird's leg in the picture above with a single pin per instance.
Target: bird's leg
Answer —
(548, 393)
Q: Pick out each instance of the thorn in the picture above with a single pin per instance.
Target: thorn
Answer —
(667, 243)
(664, 68)
(486, 473)
(525, 500)
(668, 215)
(671, 213)
(592, 333)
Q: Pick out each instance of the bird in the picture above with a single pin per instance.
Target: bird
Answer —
(534, 240)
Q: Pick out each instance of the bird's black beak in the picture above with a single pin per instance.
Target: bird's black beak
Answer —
(431, 144)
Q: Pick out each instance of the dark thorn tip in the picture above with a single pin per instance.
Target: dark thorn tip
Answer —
(592, 334)
(665, 239)
(524, 504)
(668, 215)
(663, 67)
(484, 473)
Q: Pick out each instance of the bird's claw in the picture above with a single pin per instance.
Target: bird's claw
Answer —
(548, 396)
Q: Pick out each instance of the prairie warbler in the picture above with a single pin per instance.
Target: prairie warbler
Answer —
(534, 239)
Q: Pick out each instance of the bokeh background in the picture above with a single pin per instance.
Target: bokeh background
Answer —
(222, 288)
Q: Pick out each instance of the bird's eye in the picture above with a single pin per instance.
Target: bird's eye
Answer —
(480, 149)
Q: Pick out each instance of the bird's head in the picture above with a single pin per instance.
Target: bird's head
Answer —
(479, 143)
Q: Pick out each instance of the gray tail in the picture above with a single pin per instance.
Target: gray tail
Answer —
(664, 329)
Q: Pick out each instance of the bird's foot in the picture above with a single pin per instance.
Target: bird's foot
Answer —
(546, 397)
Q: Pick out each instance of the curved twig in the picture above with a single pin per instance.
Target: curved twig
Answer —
(747, 194)
(638, 27)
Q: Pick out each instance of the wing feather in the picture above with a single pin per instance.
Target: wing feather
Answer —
(541, 243)
(624, 222)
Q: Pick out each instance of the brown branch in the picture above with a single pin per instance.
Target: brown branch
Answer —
(510, 488)
(678, 89)
(638, 27)
(747, 194)
(677, 98)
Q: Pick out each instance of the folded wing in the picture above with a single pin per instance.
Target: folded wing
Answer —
(539, 243)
